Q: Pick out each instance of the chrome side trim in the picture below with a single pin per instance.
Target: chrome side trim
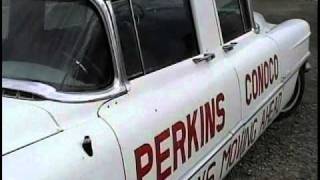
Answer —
(302, 61)
(301, 41)
(119, 54)
(137, 36)
(33, 142)
(116, 89)
(50, 93)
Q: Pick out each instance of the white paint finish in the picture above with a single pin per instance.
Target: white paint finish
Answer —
(62, 157)
(292, 38)
(152, 110)
(23, 124)
(154, 103)
(248, 54)
(264, 26)
(68, 115)
(298, 30)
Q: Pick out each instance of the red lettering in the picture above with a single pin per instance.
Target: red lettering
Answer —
(276, 66)
(145, 149)
(273, 74)
(161, 156)
(254, 84)
(267, 75)
(178, 144)
(181, 132)
(260, 79)
(248, 98)
(192, 133)
(210, 121)
(220, 111)
(202, 125)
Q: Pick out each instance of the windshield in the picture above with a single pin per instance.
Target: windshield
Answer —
(62, 43)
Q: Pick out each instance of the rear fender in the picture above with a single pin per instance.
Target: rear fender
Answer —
(292, 39)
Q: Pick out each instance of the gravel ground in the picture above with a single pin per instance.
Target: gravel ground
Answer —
(288, 148)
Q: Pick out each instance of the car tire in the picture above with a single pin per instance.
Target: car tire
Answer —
(296, 98)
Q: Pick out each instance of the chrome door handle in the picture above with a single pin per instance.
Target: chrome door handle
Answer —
(229, 47)
(206, 57)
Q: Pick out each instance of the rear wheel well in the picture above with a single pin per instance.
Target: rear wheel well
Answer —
(297, 95)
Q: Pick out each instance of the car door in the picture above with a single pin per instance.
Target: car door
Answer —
(255, 58)
(183, 99)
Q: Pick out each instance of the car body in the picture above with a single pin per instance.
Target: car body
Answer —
(142, 89)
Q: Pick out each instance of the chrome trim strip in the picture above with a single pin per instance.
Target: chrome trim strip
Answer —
(33, 142)
(217, 20)
(117, 88)
(301, 41)
(137, 36)
(119, 54)
(242, 13)
(50, 93)
(253, 24)
(238, 127)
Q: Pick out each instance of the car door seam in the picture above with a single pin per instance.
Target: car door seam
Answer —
(233, 132)
(121, 153)
(238, 78)
(217, 148)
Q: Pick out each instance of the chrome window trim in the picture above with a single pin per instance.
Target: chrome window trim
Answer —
(119, 85)
(137, 35)
(117, 45)
(254, 26)
(242, 12)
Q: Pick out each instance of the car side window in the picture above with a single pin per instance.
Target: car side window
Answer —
(166, 32)
(245, 11)
(60, 43)
(234, 18)
(128, 40)
(5, 18)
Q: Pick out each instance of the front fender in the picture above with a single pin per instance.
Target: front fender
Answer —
(62, 157)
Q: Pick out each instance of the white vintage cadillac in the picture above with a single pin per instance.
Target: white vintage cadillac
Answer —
(142, 89)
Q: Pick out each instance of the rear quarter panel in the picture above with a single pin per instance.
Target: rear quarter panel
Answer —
(292, 39)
